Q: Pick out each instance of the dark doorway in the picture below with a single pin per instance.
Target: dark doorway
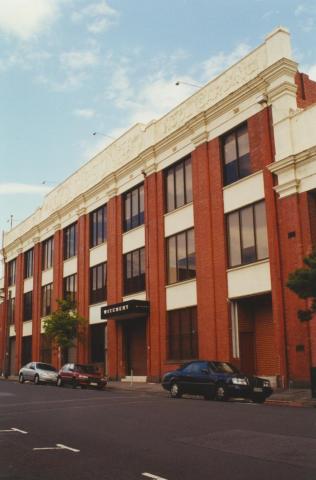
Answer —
(11, 366)
(247, 353)
(97, 342)
(136, 347)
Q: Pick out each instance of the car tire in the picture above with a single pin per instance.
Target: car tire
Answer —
(221, 393)
(21, 378)
(175, 390)
(59, 382)
(36, 380)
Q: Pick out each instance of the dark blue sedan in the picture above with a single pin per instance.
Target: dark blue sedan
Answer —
(215, 381)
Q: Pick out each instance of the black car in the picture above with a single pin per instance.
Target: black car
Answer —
(215, 381)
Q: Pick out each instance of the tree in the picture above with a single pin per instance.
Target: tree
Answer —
(303, 282)
(63, 325)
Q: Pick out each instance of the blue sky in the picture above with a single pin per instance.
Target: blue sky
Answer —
(72, 67)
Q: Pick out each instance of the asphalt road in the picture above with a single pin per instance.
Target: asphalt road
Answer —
(52, 433)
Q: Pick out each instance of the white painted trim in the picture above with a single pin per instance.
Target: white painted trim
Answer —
(179, 220)
(244, 192)
(134, 239)
(70, 266)
(27, 328)
(47, 276)
(181, 295)
(28, 285)
(135, 296)
(98, 254)
(250, 279)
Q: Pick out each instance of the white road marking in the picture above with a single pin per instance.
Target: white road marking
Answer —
(13, 430)
(154, 477)
(59, 446)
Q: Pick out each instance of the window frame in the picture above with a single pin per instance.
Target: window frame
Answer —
(128, 195)
(178, 317)
(234, 131)
(46, 294)
(129, 286)
(94, 226)
(27, 306)
(70, 246)
(172, 168)
(47, 253)
(28, 263)
(252, 205)
(98, 295)
(168, 240)
(72, 295)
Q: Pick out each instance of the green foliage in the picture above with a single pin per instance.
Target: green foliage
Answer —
(303, 282)
(63, 325)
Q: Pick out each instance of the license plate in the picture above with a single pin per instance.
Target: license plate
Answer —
(257, 389)
(94, 384)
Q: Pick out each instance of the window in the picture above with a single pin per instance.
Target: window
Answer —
(47, 253)
(178, 184)
(70, 287)
(181, 256)
(236, 155)
(12, 272)
(133, 208)
(70, 241)
(98, 223)
(97, 343)
(98, 283)
(45, 349)
(27, 306)
(182, 337)
(11, 310)
(134, 271)
(28, 263)
(47, 291)
(247, 235)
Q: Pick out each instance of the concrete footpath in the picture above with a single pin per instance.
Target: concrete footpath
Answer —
(292, 397)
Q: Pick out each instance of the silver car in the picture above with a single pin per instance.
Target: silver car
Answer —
(38, 372)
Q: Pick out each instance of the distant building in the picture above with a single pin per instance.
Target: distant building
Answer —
(191, 224)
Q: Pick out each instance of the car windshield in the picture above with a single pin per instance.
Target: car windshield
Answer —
(46, 366)
(223, 367)
(86, 369)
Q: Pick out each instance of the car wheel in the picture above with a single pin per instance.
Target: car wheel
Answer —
(175, 390)
(59, 382)
(220, 393)
(36, 380)
(21, 378)
(74, 383)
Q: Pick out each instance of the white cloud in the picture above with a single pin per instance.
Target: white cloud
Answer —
(15, 188)
(312, 72)
(99, 16)
(84, 112)
(26, 18)
(77, 60)
(219, 62)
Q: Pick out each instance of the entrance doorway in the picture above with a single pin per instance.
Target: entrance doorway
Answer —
(136, 347)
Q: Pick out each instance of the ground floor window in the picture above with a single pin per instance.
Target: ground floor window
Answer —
(26, 349)
(97, 343)
(182, 336)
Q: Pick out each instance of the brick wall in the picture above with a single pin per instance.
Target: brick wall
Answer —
(306, 90)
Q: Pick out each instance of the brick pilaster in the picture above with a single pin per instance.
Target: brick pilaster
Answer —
(83, 285)
(19, 287)
(36, 310)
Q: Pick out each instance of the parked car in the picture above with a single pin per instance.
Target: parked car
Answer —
(76, 374)
(38, 372)
(215, 380)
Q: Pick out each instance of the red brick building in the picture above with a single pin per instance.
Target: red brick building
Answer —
(178, 238)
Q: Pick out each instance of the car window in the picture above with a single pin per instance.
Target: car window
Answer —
(32, 366)
(86, 368)
(223, 367)
(46, 366)
(195, 367)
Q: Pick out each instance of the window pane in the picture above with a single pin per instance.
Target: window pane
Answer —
(170, 190)
(141, 205)
(128, 222)
(261, 231)
(234, 239)
(230, 152)
(247, 235)
(135, 266)
(179, 175)
(135, 208)
(242, 140)
(188, 180)
(172, 260)
(182, 257)
(191, 254)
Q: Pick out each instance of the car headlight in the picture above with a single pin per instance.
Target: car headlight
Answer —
(239, 381)
(266, 383)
